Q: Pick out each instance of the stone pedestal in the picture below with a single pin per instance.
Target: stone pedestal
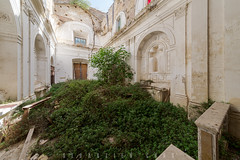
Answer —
(210, 126)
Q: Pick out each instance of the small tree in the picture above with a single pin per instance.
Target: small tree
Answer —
(112, 65)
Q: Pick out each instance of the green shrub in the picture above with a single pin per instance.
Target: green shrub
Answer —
(114, 119)
(229, 147)
(112, 66)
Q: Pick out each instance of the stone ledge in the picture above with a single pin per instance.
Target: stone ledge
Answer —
(174, 153)
(212, 119)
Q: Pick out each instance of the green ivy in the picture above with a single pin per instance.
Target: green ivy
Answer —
(113, 120)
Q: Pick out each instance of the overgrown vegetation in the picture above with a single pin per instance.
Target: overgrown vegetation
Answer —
(84, 4)
(112, 66)
(229, 148)
(87, 118)
(198, 110)
(108, 118)
(9, 100)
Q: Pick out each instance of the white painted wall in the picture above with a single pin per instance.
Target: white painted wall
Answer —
(8, 52)
(64, 61)
(18, 32)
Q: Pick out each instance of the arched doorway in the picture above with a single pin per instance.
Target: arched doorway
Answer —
(40, 64)
(52, 72)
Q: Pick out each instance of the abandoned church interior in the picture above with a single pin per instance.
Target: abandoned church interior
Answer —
(189, 49)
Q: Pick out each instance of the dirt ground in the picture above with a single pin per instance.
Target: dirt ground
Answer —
(13, 152)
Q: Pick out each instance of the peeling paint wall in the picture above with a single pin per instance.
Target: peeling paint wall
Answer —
(231, 62)
(204, 59)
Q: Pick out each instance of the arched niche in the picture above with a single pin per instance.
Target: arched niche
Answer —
(120, 22)
(40, 62)
(52, 61)
(153, 59)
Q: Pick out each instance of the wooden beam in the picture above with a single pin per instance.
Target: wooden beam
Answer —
(23, 154)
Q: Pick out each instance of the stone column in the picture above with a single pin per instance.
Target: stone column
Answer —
(26, 62)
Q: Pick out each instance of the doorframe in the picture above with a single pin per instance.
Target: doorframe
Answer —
(81, 61)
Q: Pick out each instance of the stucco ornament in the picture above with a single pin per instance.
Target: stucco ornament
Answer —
(4, 17)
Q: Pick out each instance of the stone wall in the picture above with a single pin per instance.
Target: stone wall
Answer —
(20, 23)
(201, 48)
(170, 20)
(71, 21)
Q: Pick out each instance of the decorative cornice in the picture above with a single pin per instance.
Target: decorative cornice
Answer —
(11, 37)
(33, 17)
(26, 8)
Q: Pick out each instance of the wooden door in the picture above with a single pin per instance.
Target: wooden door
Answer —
(80, 71)
(84, 71)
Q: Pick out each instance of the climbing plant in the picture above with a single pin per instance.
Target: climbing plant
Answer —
(84, 4)
(112, 65)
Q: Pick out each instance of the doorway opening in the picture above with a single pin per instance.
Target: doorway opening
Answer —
(80, 71)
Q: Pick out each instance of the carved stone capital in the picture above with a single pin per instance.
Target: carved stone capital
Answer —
(32, 17)
(25, 8)
(182, 11)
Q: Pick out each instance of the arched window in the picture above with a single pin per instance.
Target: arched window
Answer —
(118, 24)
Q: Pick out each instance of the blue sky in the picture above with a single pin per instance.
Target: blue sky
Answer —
(102, 5)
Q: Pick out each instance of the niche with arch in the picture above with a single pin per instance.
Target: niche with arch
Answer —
(153, 60)
(40, 63)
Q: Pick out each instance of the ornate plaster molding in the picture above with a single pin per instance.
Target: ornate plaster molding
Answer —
(26, 8)
(4, 17)
(181, 11)
(33, 17)
(11, 37)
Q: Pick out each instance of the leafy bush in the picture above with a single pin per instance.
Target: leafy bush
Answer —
(114, 120)
(112, 65)
(229, 147)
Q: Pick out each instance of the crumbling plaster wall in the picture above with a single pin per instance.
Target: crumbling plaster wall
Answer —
(173, 19)
(22, 22)
(109, 22)
(71, 21)
(231, 62)
(215, 55)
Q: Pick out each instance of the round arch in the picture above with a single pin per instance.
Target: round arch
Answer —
(40, 62)
(164, 30)
(122, 17)
(152, 58)
(72, 27)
